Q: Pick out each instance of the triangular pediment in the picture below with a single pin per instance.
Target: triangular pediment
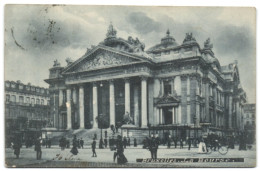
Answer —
(100, 59)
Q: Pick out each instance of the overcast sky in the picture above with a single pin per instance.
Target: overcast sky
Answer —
(37, 35)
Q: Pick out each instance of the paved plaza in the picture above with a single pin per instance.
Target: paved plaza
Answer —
(105, 158)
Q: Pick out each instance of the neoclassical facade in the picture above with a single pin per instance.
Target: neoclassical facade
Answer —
(169, 86)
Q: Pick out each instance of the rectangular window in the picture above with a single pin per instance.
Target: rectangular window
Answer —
(42, 102)
(167, 87)
(37, 101)
(7, 98)
(33, 101)
(13, 98)
(27, 99)
(21, 99)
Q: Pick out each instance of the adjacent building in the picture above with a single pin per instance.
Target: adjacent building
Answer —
(172, 88)
(27, 110)
(249, 121)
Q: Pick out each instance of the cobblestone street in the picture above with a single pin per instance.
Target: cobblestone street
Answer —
(105, 158)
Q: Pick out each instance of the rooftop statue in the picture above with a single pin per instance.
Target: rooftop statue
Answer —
(136, 43)
(56, 63)
(207, 44)
(189, 37)
(111, 32)
(69, 61)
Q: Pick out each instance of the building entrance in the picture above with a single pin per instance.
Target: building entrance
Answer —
(167, 111)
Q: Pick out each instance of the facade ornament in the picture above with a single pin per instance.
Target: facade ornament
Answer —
(207, 44)
(69, 61)
(168, 38)
(136, 43)
(56, 63)
(111, 32)
(103, 60)
(189, 38)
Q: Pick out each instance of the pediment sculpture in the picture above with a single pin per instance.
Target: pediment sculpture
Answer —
(103, 60)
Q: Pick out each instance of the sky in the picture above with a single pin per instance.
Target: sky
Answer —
(36, 35)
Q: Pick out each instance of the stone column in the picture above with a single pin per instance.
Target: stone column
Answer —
(144, 102)
(60, 97)
(162, 87)
(112, 102)
(179, 114)
(95, 105)
(136, 106)
(157, 116)
(81, 108)
(127, 96)
(177, 85)
(160, 115)
(207, 94)
(173, 115)
(68, 104)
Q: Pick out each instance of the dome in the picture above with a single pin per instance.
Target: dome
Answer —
(166, 42)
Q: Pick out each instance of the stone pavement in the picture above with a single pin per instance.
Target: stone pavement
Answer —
(54, 157)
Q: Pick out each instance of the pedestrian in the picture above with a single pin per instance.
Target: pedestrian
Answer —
(74, 149)
(202, 147)
(135, 143)
(38, 149)
(116, 128)
(189, 143)
(153, 147)
(121, 159)
(49, 143)
(78, 143)
(68, 143)
(112, 127)
(181, 143)
(62, 143)
(93, 146)
(17, 146)
(95, 136)
(105, 133)
(169, 143)
(105, 141)
(175, 142)
(45, 142)
(81, 143)
(125, 142)
(128, 141)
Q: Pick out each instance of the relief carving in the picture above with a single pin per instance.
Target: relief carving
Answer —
(103, 60)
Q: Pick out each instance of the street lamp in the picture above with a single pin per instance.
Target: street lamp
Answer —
(194, 121)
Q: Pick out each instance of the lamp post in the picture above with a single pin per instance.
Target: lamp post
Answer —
(194, 121)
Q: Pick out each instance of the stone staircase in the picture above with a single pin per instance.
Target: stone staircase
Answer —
(86, 134)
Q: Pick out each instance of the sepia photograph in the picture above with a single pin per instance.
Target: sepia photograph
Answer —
(110, 86)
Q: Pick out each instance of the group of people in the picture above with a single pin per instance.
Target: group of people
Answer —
(64, 143)
(152, 143)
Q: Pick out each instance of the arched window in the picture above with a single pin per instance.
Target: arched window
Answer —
(37, 101)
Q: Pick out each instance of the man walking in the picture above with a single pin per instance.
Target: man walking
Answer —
(81, 143)
(93, 146)
(124, 142)
(38, 149)
(153, 147)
